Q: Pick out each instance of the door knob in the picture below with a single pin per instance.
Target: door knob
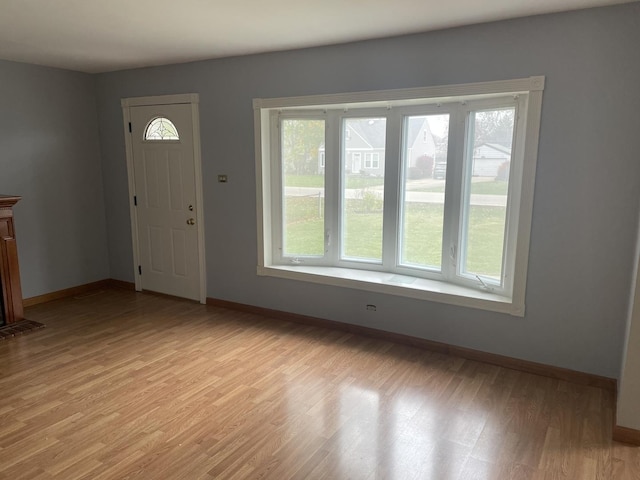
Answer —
(191, 221)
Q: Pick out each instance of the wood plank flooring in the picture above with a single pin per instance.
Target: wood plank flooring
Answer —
(128, 385)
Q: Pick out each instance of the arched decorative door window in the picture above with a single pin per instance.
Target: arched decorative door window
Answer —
(161, 128)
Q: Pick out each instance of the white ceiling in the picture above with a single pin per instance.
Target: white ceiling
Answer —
(98, 36)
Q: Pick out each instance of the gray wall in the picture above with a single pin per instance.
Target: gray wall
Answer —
(50, 155)
(586, 196)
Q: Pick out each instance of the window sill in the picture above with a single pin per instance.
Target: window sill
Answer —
(394, 284)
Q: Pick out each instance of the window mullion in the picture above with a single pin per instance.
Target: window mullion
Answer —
(333, 162)
(513, 205)
(465, 193)
(453, 194)
(391, 209)
(276, 188)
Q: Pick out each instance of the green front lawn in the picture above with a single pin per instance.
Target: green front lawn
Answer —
(422, 242)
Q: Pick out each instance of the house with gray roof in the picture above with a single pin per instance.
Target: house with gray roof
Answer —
(365, 145)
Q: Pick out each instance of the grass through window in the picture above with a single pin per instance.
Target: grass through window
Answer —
(306, 226)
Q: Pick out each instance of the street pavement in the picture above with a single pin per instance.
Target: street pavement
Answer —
(412, 196)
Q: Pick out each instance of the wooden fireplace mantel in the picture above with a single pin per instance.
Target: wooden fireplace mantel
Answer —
(12, 309)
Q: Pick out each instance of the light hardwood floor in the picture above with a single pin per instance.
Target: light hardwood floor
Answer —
(126, 385)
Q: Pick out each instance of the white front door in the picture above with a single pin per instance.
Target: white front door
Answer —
(166, 203)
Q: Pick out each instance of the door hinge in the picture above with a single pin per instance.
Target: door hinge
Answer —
(129, 127)
(135, 200)
(140, 269)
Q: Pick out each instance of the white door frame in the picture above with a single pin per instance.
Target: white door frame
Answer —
(192, 99)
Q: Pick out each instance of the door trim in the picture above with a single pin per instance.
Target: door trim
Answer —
(192, 99)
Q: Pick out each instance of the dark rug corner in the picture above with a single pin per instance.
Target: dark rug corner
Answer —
(19, 328)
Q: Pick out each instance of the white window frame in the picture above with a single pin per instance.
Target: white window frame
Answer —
(399, 280)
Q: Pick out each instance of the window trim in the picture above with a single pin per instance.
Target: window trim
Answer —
(384, 282)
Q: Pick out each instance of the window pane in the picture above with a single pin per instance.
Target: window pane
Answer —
(363, 144)
(161, 128)
(424, 158)
(303, 158)
(486, 189)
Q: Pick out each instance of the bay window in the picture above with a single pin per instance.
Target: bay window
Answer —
(425, 193)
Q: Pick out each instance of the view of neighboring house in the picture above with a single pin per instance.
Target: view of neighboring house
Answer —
(365, 149)
(365, 144)
(487, 158)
